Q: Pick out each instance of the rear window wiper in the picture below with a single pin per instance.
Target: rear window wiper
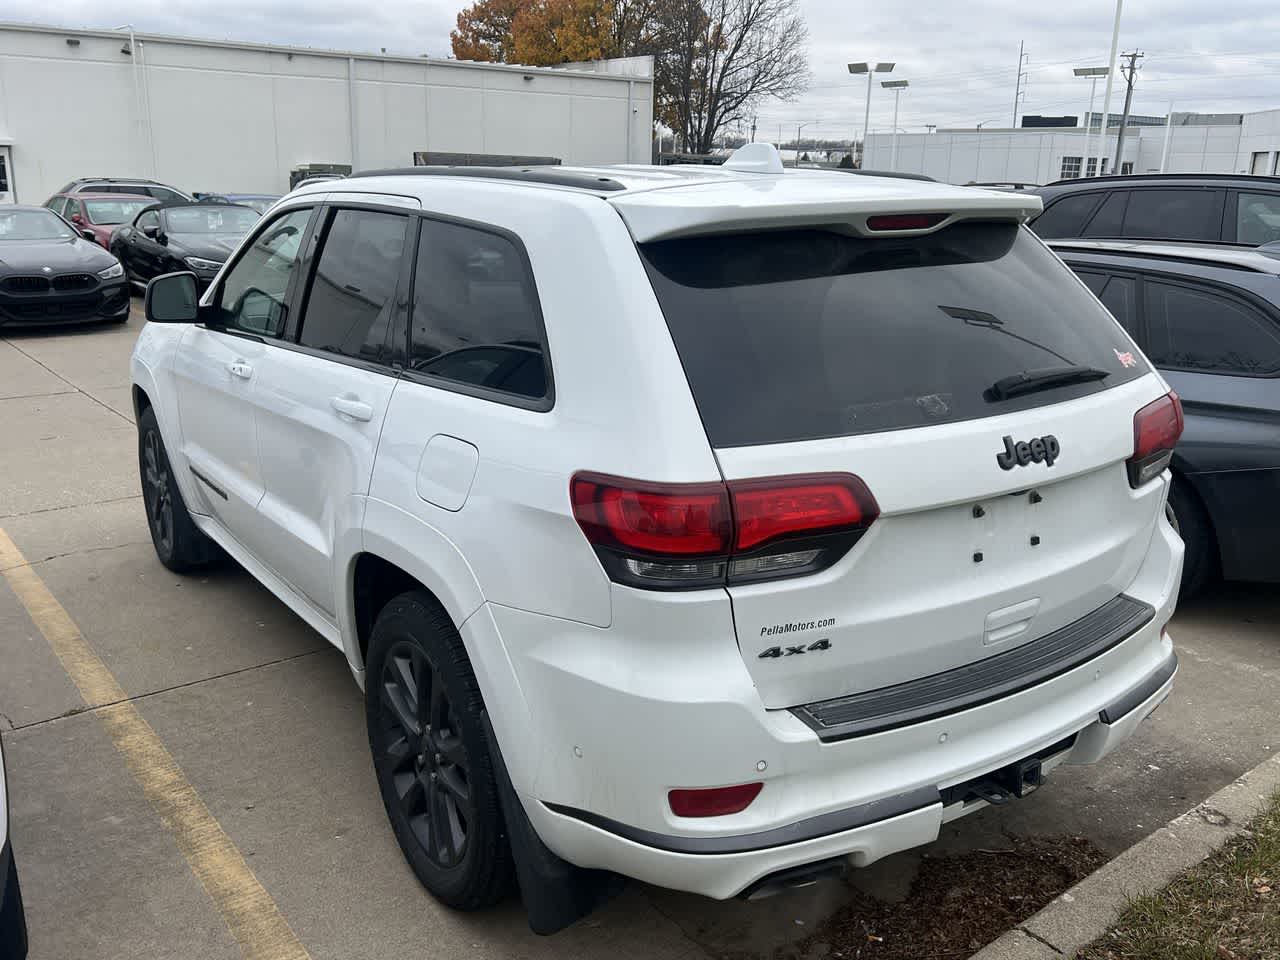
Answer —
(1030, 381)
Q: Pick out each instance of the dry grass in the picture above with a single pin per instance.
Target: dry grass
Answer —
(1227, 908)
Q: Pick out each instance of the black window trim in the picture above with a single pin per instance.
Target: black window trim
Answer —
(542, 404)
(1201, 284)
(1139, 335)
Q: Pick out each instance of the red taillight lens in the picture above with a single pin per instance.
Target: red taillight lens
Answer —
(1156, 429)
(687, 535)
(765, 510)
(713, 802)
(686, 519)
(905, 221)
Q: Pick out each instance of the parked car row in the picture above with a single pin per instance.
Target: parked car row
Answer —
(1189, 264)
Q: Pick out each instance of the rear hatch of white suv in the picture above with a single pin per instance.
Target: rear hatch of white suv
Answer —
(926, 429)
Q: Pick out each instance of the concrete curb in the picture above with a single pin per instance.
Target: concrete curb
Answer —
(1086, 911)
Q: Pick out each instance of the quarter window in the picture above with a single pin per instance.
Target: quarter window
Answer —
(475, 314)
(1109, 220)
(1120, 297)
(253, 291)
(1258, 218)
(1205, 331)
(1066, 217)
(352, 300)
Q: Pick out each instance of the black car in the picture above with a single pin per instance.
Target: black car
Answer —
(1206, 207)
(51, 274)
(1208, 316)
(168, 237)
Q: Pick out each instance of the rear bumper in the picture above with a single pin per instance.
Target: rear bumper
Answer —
(724, 866)
(598, 724)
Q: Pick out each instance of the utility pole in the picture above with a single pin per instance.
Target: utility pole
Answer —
(1130, 75)
(753, 129)
(1018, 92)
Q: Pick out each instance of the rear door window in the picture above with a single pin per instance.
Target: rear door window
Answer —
(1257, 218)
(1205, 330)
(1186, 214)
(800, 334)
(352, 299)
(1066, 217)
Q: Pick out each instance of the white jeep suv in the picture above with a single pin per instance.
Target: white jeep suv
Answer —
(717, 527)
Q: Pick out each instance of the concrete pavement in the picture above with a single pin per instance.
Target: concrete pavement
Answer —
(265, 723)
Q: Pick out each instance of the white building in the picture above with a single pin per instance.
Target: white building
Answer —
(1217, 143)
(237, 117)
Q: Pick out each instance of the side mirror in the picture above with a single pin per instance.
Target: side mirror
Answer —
(151, 230)
(77, 219)
(89, 235)
(172, 298)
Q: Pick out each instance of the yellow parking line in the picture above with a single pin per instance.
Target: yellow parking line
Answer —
(252, 916)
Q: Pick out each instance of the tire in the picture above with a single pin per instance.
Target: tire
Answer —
(179, 543)
(1191, 522)
(431, 755)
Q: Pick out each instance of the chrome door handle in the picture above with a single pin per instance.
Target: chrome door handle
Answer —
(240, 369)
(352, 407)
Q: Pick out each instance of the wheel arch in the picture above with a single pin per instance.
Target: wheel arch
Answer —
(400, 552)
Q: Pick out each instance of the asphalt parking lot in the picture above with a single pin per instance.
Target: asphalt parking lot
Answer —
(263, 721)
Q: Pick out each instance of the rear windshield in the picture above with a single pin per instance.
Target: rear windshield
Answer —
(801, 334)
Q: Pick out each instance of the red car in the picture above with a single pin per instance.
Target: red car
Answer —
(96, 215)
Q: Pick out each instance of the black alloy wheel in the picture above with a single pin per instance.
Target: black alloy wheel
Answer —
(178, 541)
(156, 492)
(418, 745)
(427, 732)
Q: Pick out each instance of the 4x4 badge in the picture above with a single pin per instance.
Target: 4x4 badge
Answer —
(773, 653)
(1040, 450)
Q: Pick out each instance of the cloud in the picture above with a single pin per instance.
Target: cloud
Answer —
(960, 58)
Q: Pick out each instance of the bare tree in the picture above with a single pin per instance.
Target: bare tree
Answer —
(722, 57)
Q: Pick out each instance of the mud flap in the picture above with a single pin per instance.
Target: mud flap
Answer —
(556, 894)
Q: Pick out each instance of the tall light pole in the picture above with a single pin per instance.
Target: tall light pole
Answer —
(799, 127)
(1093, 73)
(868, 68)
(897, 86)
(1111, 75)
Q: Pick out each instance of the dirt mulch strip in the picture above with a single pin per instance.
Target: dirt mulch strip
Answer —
(957, 904)
(1226, 908)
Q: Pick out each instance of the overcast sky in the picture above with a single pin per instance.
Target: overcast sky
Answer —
(960, 57)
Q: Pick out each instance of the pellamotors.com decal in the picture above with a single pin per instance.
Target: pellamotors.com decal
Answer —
(799, 626)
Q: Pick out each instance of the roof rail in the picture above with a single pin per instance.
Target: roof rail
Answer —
(1225, 256)
(543, 176)
(857, 171)
(1110, 177)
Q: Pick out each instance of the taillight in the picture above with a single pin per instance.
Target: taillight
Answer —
(905, 221)
(714, 801)
(1156, 429)
(684, 536)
